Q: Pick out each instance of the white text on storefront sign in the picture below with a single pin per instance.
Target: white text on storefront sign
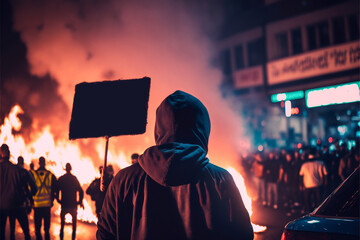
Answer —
(325, 61)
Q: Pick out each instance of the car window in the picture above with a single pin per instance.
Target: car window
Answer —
(344, 201)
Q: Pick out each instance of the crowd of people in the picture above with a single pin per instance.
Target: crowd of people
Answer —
(22, 191)
(298, 179)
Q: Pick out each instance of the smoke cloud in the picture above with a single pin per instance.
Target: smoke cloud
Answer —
(168, 41)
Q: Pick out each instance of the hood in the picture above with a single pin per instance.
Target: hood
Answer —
(182, 118)
(182, 130)
(173, 164)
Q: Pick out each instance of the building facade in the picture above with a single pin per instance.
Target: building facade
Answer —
(294, 68)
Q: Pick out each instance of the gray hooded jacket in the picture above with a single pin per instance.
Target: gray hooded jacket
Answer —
(174, 192)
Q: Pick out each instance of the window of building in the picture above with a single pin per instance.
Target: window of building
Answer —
(256, 52)
(339, 30)
(225, 61)
(353, 21)
(324, 38)
(296, 41)
(311, 36)
(282, 47)
(239, 57)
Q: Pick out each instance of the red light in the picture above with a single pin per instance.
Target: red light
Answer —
(295, 111)
(330, 139)
(318, 142)
(299, 145)
(282, 104)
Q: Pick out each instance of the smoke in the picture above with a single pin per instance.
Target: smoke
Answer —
(168, 41)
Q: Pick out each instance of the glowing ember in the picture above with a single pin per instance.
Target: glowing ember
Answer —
(239, 181)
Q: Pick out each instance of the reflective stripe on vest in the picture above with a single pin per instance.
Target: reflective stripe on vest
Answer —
(43, 180)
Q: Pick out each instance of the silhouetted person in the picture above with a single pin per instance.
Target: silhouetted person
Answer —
(14, 183)
(96, 194)
(68, 187)
(32, 167)
(21, 213)
(43, 199)
(174, 192)
(134, 158)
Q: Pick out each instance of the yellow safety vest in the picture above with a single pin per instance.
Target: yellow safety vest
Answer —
(43, 180)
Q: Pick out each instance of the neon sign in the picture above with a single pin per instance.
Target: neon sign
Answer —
(337, 94)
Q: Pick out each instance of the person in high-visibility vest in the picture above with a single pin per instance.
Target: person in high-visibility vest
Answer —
(44, 198)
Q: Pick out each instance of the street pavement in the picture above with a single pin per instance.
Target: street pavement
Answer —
(274, 220)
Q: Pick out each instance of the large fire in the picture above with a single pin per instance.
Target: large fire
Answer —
(56, 152)
(59, 152)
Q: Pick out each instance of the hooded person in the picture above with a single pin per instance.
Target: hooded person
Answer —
(175, 192)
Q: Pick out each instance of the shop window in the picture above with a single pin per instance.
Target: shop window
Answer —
(296, 41)
(339, 30)
(256, 52)
(311, 36)
(225, 61)
(239, 57)
(282, 47)
(353, 21)
(324, 38)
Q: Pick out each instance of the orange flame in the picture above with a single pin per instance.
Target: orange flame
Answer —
(57, 152)
(240, 184)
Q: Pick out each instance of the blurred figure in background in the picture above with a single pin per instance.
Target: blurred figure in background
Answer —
(96, 194)
(257, 168)
(314, 176)
(68, 187)
(14, 183)
(272, 178)
(25, 209)
(43, 200)
(134, 158)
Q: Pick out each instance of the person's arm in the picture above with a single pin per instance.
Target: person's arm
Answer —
(32, 184)
(107, 223)
(54, 189)
(81, 194)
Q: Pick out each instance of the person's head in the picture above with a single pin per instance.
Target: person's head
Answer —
(42, 162)
(134, 158)
(110, 170)
(4, 152)
(182, 118)
(312, 153)
(68, 167)
(101, 169)
(20, 161)
(32, 166)
(288, 157)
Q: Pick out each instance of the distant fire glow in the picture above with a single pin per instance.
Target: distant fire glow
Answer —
(240, 184)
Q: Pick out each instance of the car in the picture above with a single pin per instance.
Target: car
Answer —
(337, 218)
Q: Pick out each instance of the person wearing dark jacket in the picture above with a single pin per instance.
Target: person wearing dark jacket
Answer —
(21, 213)
(68, 187)
(174, 192)
(96, 194)
(14, 182)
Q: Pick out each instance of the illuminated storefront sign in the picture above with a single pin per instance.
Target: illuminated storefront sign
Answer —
(287, 96)
(329, 60)
(249, 77)
(338, 94)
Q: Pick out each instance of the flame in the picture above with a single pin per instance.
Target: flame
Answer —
(56, 152)
(59, 152)
(240, 184)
